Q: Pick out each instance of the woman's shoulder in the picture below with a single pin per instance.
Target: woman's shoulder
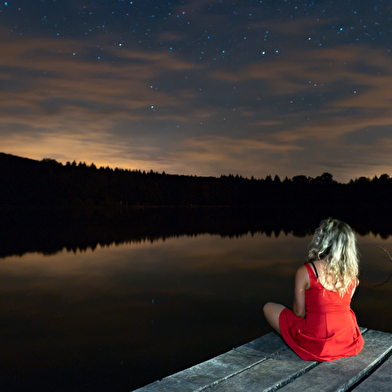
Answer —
(307, 268)
(302, 276)
(303, 269)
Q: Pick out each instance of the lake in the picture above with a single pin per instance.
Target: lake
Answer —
(116, 315)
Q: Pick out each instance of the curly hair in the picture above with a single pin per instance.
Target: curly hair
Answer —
(335, 241)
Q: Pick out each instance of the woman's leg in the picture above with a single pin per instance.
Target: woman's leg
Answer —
(272, 313)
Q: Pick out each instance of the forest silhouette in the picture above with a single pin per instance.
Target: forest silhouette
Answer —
(50, 184)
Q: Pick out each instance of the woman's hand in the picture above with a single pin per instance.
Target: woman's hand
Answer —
(302, 283)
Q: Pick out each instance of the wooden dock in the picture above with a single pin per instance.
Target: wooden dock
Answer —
(268, 364)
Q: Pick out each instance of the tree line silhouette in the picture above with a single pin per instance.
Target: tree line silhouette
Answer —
(50, 184)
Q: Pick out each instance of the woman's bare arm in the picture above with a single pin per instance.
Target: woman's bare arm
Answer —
(302, 283)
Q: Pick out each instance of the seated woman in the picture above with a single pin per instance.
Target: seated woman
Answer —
(322, 326)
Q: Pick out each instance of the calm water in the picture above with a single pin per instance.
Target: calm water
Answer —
(120, 316)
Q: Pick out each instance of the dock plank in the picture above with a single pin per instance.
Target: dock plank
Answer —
(380, 380)
(267, 364)
(341, 374)
(269, 374)
(226, 365)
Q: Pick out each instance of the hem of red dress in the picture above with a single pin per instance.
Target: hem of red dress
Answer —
(306, 355)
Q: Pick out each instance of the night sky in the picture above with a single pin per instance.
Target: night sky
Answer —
(200, 87)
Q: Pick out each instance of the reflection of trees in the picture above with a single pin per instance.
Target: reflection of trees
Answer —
(52, 231)
(80, 205)
(35, 231)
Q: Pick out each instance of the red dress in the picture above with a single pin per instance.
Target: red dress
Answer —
(329, 331)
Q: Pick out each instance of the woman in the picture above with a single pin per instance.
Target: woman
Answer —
(322, 326)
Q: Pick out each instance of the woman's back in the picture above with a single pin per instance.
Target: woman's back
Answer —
(328, 282)
(322, 297)
(322, 325)
(330, 329)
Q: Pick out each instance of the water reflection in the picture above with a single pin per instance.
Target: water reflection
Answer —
(49, 233)
(117, 317)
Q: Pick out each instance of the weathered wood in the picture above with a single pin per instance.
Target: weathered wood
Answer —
(270, 374)
(201, 376)
(267, 364)
(341, 374)
(380, 380)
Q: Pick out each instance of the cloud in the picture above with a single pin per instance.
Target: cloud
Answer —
(169, 36)
(265, 123)
(335, 82)
(159, 110)
(53, 81)
(298, 27)
(215, 155)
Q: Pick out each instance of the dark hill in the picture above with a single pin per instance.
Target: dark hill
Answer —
(47, 184)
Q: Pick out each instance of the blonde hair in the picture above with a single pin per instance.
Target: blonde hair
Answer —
(335, 242)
